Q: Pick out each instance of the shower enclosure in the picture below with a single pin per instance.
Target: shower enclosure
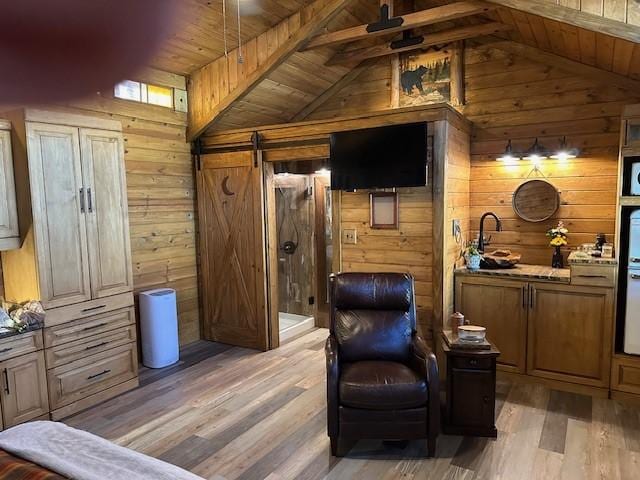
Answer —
(303, 258)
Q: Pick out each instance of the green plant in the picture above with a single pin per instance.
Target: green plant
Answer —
(471, 250)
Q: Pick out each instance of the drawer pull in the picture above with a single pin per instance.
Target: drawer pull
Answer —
(635, 276)
(5, 350)
(91, 377)
(634, 260)
(91, 309)
(592, 276)
(93, 327)
(473, 362)
(97, 346)
(6, 382)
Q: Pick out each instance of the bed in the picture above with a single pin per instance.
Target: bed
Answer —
(53, 451)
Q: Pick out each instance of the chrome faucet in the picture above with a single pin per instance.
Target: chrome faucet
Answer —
(482, 242)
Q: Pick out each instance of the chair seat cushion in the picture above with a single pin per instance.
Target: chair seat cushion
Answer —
(381, 385)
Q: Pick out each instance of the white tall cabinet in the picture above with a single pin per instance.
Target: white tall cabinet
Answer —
(9, 234)
(76, 254)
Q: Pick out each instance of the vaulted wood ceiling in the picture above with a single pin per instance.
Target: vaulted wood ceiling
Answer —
(290, 89)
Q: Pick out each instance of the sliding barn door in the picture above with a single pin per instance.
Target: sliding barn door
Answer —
(231, 223)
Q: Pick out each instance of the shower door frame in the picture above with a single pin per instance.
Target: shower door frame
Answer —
(319, 152)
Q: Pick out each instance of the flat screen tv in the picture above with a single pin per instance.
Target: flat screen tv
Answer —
(381, 157)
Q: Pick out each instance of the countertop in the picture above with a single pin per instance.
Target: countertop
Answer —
(523, 271)
(575, 260)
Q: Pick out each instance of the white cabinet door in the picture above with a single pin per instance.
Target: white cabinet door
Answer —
(107, 212)
(59, 221)
(8, 209)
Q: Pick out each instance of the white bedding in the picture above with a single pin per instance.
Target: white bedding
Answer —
(80, 455)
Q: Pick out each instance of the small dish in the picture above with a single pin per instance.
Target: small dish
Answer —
(472, 333)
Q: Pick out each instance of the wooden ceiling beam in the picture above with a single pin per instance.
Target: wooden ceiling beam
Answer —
(279, 56)
(438, 38)
(412, 20)
(575, 17)
(599, 75)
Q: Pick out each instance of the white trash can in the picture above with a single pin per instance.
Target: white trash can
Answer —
(159, 327)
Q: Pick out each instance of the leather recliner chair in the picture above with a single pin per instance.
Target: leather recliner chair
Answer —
(382, 378)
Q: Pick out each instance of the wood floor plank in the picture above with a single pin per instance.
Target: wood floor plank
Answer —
(230, 413)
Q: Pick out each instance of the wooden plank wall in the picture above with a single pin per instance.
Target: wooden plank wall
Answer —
(161, 197)
(627, 11)
(457, 206)
(512, 97)
(408, 249)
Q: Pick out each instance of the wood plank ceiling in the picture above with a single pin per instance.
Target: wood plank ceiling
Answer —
(197, 35)
(306, 75)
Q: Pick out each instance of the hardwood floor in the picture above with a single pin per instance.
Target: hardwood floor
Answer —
(232, 413)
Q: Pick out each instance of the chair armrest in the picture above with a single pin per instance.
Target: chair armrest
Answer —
(424, 362)
(333, 378)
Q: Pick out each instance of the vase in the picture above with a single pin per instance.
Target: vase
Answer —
(557, 261)
(473, 262)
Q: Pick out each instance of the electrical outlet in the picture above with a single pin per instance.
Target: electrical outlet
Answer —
(349, 236)
(456, 227)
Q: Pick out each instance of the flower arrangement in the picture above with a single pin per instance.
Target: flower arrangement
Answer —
(558, 235)
(472, 256)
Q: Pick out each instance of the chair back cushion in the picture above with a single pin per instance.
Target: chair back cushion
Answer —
(373, 315)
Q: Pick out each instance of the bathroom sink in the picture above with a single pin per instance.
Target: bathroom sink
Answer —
(500, 259)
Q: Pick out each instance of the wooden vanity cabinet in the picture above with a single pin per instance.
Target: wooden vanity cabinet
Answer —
(550, 330)
(570, 333)
(9, 233)
(500, 305)
(24, 389)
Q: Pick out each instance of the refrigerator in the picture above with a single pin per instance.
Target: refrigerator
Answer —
(632, 310)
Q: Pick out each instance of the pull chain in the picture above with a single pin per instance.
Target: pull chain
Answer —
(240, 59)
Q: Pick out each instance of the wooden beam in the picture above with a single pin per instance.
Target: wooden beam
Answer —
(331, 91)
(575, 17)
(279, 56)
(412, 20)
(438, 38)
(532, 53)
(457, 74)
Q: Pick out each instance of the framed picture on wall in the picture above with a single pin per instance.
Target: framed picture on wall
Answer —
(383, 210)
(425, 78)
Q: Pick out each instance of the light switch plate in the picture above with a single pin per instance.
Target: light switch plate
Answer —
(349, 236)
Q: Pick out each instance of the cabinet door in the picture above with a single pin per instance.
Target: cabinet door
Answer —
(632, 132)
(107, 213)
(58, 214)
(570, 332)
(500, 306)
(472, 402)
(24, 389)
(8, 209)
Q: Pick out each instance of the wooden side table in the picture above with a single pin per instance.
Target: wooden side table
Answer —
(470, 407)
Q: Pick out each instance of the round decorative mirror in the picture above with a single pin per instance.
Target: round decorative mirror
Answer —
(536, 201)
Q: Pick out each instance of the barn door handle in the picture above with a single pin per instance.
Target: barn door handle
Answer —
(82, 200)
(90, 200)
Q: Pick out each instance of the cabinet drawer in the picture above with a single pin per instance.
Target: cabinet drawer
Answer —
(60, 315)
(625, 375)
(92, 374)
(88, 327)
(69, 352)
(593, 275)
(20, 344)
(472, 363)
